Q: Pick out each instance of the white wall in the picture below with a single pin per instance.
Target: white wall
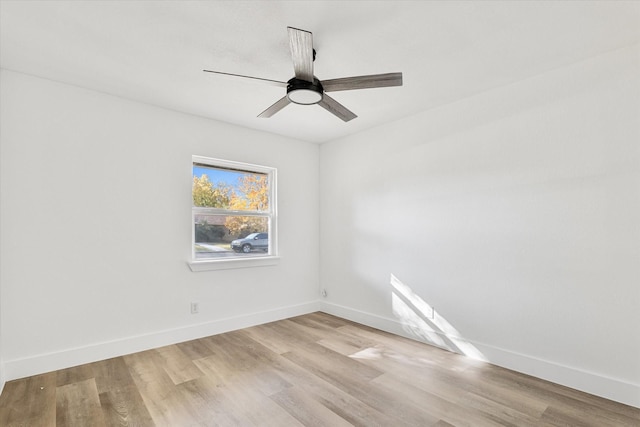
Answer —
(515, 214)
(95, 225)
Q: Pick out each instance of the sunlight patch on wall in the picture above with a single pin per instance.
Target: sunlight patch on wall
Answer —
(420, 320)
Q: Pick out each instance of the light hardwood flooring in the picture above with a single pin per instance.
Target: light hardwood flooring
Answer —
(312, 370)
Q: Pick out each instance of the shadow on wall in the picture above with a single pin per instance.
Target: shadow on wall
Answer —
(421, 321)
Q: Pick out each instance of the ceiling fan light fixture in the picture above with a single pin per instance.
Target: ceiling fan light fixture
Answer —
(303, 92)
(304, 96)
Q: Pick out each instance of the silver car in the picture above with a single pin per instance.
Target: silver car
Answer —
(251, 242)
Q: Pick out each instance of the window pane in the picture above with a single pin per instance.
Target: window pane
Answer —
(230, 189)
(223, 236)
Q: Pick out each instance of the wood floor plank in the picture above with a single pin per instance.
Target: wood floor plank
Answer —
(195, 349)
(359, 387)
(579, 413)
(212, 407)
(237, 355)
(276, 336)
(239, 351)
(310, 370)
(333, 362)
(257, 408)
(111, 374)
(439, 407)
(308, 410)
(563, 399)
(78, 405)
(324, 318)
(266, 381)
(232, 400)
(337, 400)
(29, 402)
(178, 366)
(241, 368)
(125, 407)
(315, 324)
(122, 404)
(164, 402)
(73, 375)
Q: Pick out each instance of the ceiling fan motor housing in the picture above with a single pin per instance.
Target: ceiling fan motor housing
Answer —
(303, 92)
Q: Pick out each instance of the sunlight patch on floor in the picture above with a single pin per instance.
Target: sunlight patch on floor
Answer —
(380, 352)
(371, 353)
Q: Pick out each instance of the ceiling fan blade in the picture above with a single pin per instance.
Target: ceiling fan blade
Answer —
(301, 44)
(279, 105)
(335, 108)
(269, 81)
(362, 82)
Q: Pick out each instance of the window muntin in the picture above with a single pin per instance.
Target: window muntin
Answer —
(230, 202)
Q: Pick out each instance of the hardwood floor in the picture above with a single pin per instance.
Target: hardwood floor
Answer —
(312, 370)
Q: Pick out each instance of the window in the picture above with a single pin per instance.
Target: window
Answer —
(233, 214)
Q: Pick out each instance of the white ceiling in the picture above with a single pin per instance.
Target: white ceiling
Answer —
(154, 51)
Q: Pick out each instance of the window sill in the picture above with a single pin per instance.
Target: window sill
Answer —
(226, 264)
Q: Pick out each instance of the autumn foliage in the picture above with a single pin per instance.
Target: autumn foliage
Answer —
(250, 194)
(205, 194)
(256, 198)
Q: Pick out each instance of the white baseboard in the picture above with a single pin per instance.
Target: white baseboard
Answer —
(589, 382)
(34, 365)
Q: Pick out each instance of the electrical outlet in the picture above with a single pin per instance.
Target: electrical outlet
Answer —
(324, 293)
(195, 308)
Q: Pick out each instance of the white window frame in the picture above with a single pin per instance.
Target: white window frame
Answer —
(244, 261)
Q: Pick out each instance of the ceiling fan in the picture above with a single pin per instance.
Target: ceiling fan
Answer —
(306, 89)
